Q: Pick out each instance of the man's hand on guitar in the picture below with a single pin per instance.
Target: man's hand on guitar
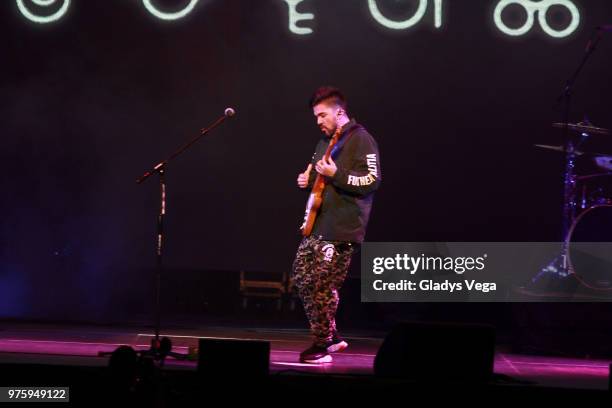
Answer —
(302, 179)
(326, 167)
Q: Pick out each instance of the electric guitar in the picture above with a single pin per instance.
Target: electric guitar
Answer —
(316, 195)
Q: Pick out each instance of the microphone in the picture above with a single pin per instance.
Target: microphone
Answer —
(227, 113)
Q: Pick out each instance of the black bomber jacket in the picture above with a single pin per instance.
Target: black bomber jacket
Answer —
(348, 196)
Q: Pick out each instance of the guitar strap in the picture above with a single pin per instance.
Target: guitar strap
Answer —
(338, 147)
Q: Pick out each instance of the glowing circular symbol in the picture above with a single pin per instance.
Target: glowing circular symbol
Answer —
(43, 3)
(416, 18)
(397, 25)
(531, 7)
(167, 16)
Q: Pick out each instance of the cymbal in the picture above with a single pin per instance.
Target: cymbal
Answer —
(582, 128)
(559, 149)
(599, 157)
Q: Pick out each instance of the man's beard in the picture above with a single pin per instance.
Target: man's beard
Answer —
(331, 131)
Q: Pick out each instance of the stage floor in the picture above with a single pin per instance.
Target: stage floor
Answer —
(80, 344)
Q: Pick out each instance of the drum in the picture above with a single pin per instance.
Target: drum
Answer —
(594, 190)
(589, 244)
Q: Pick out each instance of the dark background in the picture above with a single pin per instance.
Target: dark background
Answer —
(92, 101)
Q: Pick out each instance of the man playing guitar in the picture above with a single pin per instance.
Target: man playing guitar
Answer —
(347, 172)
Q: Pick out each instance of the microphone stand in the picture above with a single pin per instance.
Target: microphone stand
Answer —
(160, 349)
(559, 267)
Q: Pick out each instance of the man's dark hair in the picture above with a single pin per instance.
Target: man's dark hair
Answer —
(328, 94)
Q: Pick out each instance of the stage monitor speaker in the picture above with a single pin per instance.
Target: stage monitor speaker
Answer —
(437, 351)
(247, 358)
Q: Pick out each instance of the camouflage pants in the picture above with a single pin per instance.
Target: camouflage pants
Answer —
(319, 270)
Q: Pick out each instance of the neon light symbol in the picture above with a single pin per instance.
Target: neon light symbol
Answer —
(412, 21)
(169, 16)
(43, 3)
(541, 7)
(295, 17)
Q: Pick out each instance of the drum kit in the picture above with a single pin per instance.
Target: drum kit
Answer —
(587, 215)
(586, 254)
